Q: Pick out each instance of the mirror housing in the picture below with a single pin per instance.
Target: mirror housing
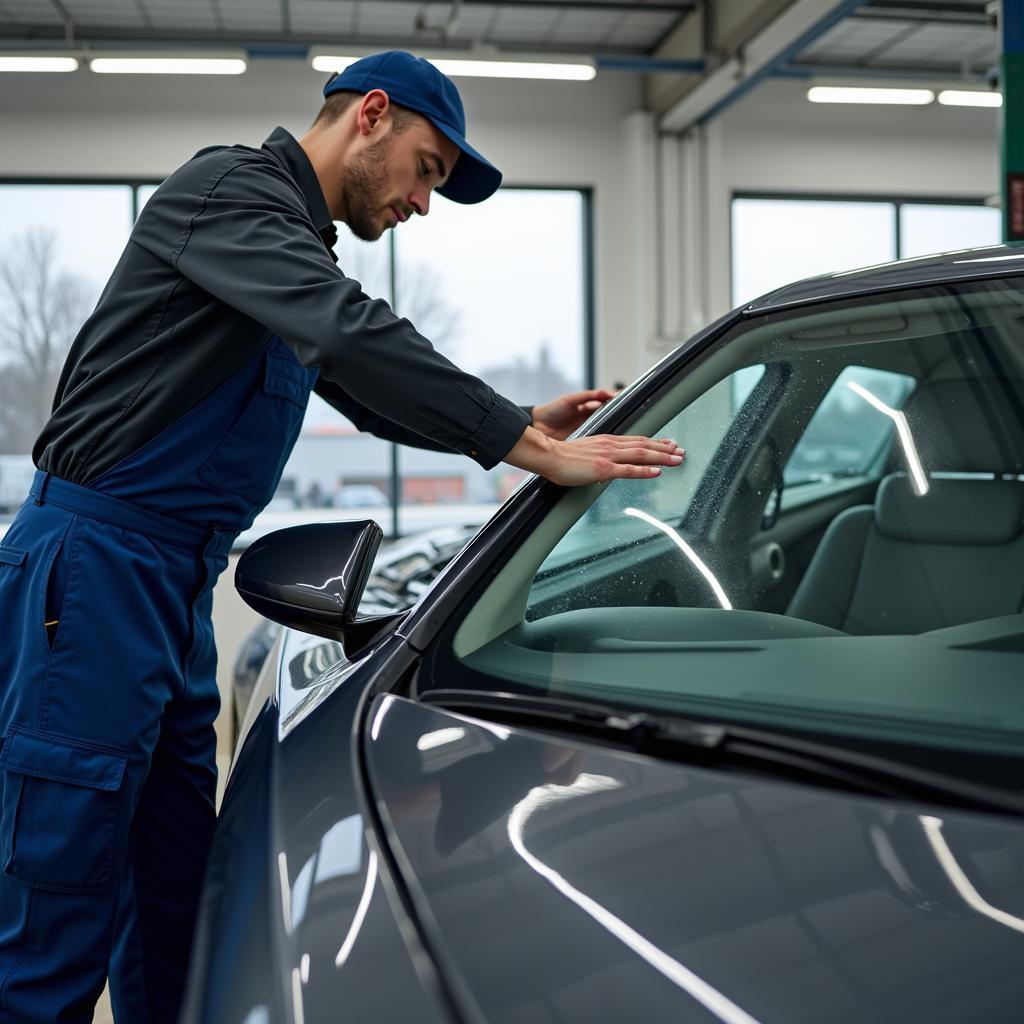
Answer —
(312, 578)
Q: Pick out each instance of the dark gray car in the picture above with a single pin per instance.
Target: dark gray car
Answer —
(743, 743)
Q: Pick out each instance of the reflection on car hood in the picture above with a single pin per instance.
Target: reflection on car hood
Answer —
(579, 883)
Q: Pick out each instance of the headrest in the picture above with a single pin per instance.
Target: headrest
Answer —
(952, 512)
(969, 426)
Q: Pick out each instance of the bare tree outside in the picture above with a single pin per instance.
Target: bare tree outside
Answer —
(42, 308)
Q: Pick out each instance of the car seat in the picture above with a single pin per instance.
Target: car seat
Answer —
(911, 563)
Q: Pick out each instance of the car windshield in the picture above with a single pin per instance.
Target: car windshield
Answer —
(841, 550)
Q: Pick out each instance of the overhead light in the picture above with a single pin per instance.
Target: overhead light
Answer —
(331, 62)
(515, 69)
(868, 94)
(970, 98)
(168, 65)
(568, 70)
(38, 63)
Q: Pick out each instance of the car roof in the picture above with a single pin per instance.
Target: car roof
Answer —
(961, 265)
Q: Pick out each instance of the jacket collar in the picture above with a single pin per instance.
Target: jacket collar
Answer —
(283, 146)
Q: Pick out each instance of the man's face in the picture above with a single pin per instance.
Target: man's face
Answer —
(390, 179)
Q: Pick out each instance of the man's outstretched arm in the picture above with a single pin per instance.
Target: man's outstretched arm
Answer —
(539, 449)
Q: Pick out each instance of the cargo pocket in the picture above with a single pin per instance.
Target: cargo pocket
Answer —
(249, 460)
(11, 558)
(60, 809)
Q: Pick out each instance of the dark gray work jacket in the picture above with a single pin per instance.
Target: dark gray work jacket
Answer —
(233, 247)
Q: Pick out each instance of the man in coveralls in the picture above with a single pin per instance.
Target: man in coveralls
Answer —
(175, 413)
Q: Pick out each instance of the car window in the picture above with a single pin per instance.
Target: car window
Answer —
(846, 434)
(890, 608)
(701, 429)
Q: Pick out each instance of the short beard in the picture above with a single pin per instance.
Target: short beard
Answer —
(363, 190)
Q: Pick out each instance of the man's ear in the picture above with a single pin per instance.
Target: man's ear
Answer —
(374, 107)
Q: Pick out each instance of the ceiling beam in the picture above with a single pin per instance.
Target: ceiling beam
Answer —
(779, 42)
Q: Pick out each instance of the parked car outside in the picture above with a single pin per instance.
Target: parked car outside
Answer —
(359, 496)
(711, 747)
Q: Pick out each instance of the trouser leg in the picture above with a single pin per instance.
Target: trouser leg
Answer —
(80, 716)
(170, 839)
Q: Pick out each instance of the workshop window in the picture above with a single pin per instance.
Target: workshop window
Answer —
(58, 245)
(778, 240)
(501, 290)
(941, 227)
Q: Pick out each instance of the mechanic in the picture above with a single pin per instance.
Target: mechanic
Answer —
(175, 413)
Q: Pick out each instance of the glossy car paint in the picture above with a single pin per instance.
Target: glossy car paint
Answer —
(296, 922)
(521, 877)
(634, 889)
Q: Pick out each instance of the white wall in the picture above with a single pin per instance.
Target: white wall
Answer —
(537, 133)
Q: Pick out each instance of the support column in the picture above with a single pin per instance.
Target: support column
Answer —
(642, 243)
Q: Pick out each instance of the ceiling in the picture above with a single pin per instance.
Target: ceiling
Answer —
(883, 36)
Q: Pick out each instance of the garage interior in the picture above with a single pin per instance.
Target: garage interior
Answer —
(677, 168)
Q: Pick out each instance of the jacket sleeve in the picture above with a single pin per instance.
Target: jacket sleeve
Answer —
(369, 422)
(252, 246)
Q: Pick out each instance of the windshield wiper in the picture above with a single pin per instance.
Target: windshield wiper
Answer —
(716, 744)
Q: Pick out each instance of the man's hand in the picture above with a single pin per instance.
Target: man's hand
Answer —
(589, 460)
(560, 417)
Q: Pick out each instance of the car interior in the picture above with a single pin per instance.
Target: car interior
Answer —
(843, 546)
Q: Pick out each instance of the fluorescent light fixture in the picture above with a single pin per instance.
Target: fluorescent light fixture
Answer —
(970, 98)
(515, 69)
(692, 555)
(567, 70)
(167, 65)
(9, 62)
(329, 62)
(917, 473)
(866, 94)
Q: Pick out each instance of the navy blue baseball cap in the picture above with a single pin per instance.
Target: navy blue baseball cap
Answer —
(415, 83)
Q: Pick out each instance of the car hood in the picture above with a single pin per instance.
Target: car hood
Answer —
(574, 882)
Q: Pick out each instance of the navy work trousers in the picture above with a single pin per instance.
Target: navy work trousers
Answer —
(109, 769)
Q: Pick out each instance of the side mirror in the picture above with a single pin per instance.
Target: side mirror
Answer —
(312, 578)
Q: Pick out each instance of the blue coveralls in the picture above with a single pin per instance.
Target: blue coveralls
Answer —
(108, 758)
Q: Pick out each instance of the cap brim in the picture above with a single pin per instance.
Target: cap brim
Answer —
(473, 178)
